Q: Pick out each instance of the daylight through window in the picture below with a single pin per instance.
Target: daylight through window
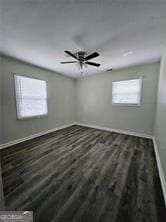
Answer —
(127, 92)
(31, 97)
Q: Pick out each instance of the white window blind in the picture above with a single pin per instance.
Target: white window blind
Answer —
(127, 92)
(31, 97)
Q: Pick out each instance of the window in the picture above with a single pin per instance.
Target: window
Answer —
(127, 92)
(31, 97)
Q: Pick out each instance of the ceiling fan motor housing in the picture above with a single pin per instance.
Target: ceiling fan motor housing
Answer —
(81, 55)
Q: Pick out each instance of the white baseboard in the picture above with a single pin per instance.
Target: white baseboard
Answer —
(116, 130)
(160, 169)
(11, 143)
(2, 205)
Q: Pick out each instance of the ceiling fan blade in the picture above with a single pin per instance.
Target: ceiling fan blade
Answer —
(71, 54)
(93, 64)
(69, 62)
(91, 56)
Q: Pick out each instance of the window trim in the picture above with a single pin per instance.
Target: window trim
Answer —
(15, 95)
(129, 104)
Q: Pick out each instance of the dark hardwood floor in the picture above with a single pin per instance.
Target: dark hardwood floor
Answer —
(81, 174)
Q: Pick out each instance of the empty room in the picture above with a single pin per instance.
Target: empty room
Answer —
(83, 110)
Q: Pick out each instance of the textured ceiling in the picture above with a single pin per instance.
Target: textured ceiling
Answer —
(39, 31)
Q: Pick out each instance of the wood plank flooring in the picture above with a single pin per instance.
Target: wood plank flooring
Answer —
(81, 174)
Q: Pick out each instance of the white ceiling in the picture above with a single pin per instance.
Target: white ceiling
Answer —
(38, 32)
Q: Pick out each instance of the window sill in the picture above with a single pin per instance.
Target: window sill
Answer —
(125, 105)
(32, 117)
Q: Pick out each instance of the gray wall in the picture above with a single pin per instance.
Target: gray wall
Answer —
(87, 100)
(61, 102)
(1, 71)
(1, 185)
(160, 123)
(94, 100)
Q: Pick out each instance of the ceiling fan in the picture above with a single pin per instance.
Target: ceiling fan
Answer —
(82, 58)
